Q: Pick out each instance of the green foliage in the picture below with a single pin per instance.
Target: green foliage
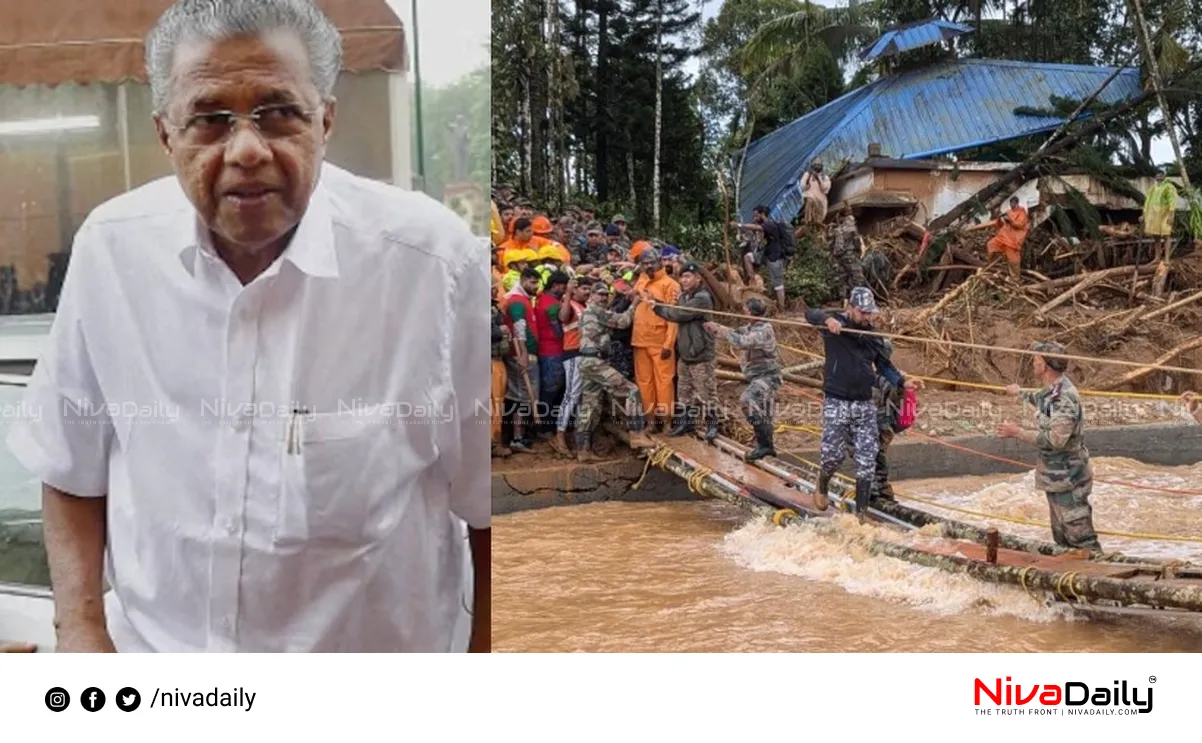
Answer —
(469, 97)
(809, 274)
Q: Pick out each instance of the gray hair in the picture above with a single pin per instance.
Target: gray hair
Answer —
(213, 20)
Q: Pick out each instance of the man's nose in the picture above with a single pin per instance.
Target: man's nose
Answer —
(246, 146)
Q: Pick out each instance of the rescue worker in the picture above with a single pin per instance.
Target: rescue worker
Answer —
(697, 386)
(888, 398)
(621, 354)
(846, 253)
(522, 238)
(521, 367)
(550, 260)
(517, 260)
(1160, 207)
(551, 377)
(1012, 230)
(595, 249)
(848, 415)
(1063, 471)
(672, 259)
(654, 340)
(496, 227)
(760, 363)
(613, 237)
(623, 237)
(575, 299)
(814, 187)
(773, 253)
(599, 377)
(502, 347)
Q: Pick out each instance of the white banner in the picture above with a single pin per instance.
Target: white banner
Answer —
(611, 698)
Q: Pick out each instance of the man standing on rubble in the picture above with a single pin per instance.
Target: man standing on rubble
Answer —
(760, 363)
(774, 253)
(598, 376)
(1160, 207)
(1063, 471)
(848, 414)
(1012, 230)
(846, 253)
(814, 187)
(697, 387)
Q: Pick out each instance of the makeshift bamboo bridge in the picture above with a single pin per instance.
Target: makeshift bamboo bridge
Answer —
(781, 489)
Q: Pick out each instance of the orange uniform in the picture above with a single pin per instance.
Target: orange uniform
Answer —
(1009, 239)
(513, 244)
(650, 335)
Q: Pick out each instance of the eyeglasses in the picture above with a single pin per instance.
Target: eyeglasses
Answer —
(273, 122)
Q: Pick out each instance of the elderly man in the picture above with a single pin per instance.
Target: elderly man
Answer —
(1063, 471)
(266, 315)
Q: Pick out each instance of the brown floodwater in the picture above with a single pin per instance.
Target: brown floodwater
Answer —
(702, 576)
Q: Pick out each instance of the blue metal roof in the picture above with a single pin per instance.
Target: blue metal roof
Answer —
(921, 113)
(913, 36)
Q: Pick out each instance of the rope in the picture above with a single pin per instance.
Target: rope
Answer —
(694, 480)
(1014, 519)
(958, 344)
(1149, 489)
(1000, 388)
(782, 514)
(1022, 581)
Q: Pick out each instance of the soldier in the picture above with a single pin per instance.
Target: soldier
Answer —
(846, 253)
(848, 415)
(598, 376)
(761, 365)
(1063, 470)
(695, 381)
(888, 399)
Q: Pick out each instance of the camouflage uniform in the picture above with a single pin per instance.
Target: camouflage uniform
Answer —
(853, 421)
(621, 354)
(761, 365)
(598, 376)
(1063, 470)
(888, 400)
(846, 255)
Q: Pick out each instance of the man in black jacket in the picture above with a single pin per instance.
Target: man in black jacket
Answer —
(849, 415)
(695, 381)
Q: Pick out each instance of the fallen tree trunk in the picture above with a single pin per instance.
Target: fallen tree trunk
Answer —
(1081, 286)
(1165, 310)
(733, 376)
(718, 289)
(1144, 370)
(927, 314)
(1145, 270)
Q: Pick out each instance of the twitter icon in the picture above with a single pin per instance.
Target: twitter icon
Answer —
(128, 699)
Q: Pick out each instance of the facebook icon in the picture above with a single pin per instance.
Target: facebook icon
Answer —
(92, 699)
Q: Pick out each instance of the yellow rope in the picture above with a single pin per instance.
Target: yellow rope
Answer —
(695, 479)
(1000, 388)
(646, 468)
(1022, 580)
(782, 514)
(959, 344)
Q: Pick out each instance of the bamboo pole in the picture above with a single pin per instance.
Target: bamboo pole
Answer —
(1164, 310)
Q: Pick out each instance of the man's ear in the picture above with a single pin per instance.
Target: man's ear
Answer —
(160, 129)
(327, 120)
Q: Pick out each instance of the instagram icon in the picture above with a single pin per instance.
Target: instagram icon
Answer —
(57, 699)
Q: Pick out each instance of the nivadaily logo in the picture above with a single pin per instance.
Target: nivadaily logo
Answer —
(1072, 698)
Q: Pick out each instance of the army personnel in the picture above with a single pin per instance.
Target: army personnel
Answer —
(1063, 470)
(696, 385)
(502, 347)
(598, 376)
(888, 398)
(846, 253)
(848, 415)
(761, 365)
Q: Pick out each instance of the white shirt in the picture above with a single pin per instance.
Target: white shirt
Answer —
(235, 525)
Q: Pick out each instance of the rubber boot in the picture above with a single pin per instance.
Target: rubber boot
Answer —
(863, 495)
(763, 439)
(584, 447)
(711, 427)
(821, 500)
(684, 423)
(885, 493)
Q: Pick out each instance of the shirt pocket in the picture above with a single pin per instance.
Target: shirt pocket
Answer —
(347, 478)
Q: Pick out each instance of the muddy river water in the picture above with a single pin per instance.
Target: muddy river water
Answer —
(700, 576)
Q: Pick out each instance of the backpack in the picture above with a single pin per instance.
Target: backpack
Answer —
(787, 240)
